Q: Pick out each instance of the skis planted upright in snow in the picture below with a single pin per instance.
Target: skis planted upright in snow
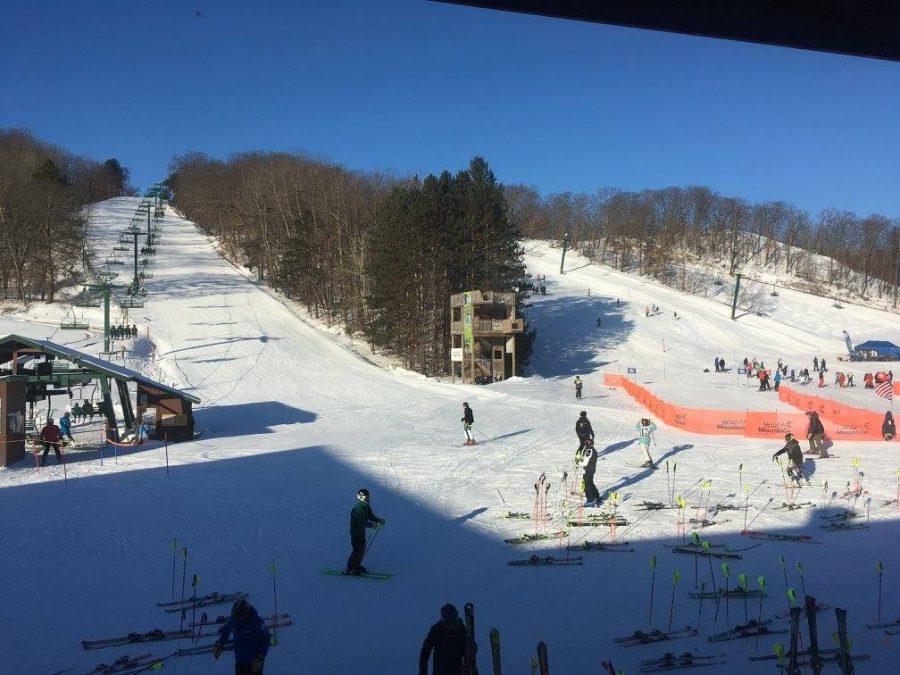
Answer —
(495, 650)
(471, 647)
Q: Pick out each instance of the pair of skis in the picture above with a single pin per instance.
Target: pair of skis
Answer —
(670, 661)
(640, 637)
(209, 600)
(546, 561)
(752, 628)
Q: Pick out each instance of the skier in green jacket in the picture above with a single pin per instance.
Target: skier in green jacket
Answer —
(361, 517)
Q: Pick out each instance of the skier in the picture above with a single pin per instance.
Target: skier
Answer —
(777, 379)
(87, 411)
(722, 364)
(718, 368)
(578, 385)
(589, 456)
(645, 429)
(447, 639)
(815, 363)
(888, 430)
(822, 364)
(468, 419)
(815, 432)
(821, 378)
(795, 455)
(50, 438)
(65, 426)
(361, 517)
(584, 430)
(134, 330)
(850, 380)
(251, 639)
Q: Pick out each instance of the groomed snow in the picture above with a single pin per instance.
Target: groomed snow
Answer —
(294, 422)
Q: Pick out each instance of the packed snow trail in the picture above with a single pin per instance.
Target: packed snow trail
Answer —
(294, 423)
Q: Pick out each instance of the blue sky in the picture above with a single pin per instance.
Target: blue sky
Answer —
(410, 86)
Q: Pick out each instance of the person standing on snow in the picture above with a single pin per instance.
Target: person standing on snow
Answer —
(584, 430)
(577, 388)
(821, 378)
(777, 379)
(50, 438)
(815, 432)
(251, 639)
(795, 455)
(815, 363)
(65, 426)
(718, 368)
(888, 430)
(645, 429)
(447, 639)
(822, 364)
(468, 419)
(361, 517)
(589, 457)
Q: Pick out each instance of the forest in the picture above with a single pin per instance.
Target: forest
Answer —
(663, 233)
(379, 255)
(45, 193)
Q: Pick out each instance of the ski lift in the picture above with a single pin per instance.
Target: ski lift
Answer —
(73, 323)
(131, 302)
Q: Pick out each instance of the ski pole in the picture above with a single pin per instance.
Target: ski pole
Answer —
(727, 573)
(195, 582)
(652, 586)
(674, 470)
(174, 555)
(712, 576)
(184, 553)
(880, 569)
(668, 483)
(784, 572)
(761, 583)
(675, 579)
(802, 581)
(369, 545)
(742, 584)
(275, 606)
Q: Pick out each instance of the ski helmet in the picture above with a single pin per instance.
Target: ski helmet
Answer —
(362, 494)
(584, 413)
(449, 612)
(240, 608)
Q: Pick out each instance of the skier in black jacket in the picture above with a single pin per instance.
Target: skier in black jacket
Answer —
(447, 639)
(591, 493)
(468, 419)
(795, 455)
(361, 517)
(584, 430)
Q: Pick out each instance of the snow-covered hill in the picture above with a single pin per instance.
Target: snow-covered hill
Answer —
(294, 423)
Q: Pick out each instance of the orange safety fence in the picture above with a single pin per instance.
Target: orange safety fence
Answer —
(751, 424)
(844, 421)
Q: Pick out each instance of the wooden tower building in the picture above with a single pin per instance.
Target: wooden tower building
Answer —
(483, 329)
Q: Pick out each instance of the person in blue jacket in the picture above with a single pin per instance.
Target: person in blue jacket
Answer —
(250, 639)
(65, 425)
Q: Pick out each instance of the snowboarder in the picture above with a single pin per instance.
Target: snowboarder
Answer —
(589, 457)
(888, 430)
(645, 429)
(251, 639)
(447, 639)
(50, 438)
(815, 432)
(577, 388)
(777, 379)
(65, 426)
(795, 455)
(815, 363)
(584, 430)
(361, 517)
(822, 364)
(468, 419)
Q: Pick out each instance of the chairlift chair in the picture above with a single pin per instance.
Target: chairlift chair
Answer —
(73, 323)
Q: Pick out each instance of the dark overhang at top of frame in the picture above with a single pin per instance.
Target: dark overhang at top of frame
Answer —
(854, 27)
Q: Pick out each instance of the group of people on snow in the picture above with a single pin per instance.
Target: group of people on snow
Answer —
(720, 365)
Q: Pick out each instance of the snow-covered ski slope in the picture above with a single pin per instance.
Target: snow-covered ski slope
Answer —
(294, 422)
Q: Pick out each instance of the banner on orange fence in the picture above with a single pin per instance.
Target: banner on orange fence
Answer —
(846, 422)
